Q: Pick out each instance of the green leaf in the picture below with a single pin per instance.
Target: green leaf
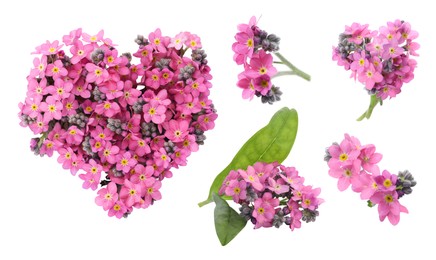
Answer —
(271, 143)
(228, 223)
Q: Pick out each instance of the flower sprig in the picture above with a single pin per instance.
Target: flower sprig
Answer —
(252, 49)
(356, 165)
(271, 194)
(122, 125)
(267, 193)
(378, 59)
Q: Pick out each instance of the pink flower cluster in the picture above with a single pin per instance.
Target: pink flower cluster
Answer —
(379, 59)
(357, 165)
(271, 194)
(105, 115)
(251, 50)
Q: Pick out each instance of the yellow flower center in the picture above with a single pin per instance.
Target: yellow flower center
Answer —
(124, 162)
(264, 83)
(343, 157)
(389, 198)
(387, 183)
(250, 43)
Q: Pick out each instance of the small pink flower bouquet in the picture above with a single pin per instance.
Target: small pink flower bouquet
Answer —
(378, 59)
(271, 194)
(266, 192)
(356, 165)
(252, 49)
(122, 125)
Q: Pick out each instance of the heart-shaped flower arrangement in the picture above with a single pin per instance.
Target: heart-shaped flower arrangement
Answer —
(105, 115)
(378, 59)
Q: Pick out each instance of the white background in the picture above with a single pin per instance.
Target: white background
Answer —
(45, 213)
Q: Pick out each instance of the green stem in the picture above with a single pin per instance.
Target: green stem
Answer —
(42, 138)
(283, 73)
(373, 102)
(182, 51)
(204, 203)
(284, 202)
(294, 69)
